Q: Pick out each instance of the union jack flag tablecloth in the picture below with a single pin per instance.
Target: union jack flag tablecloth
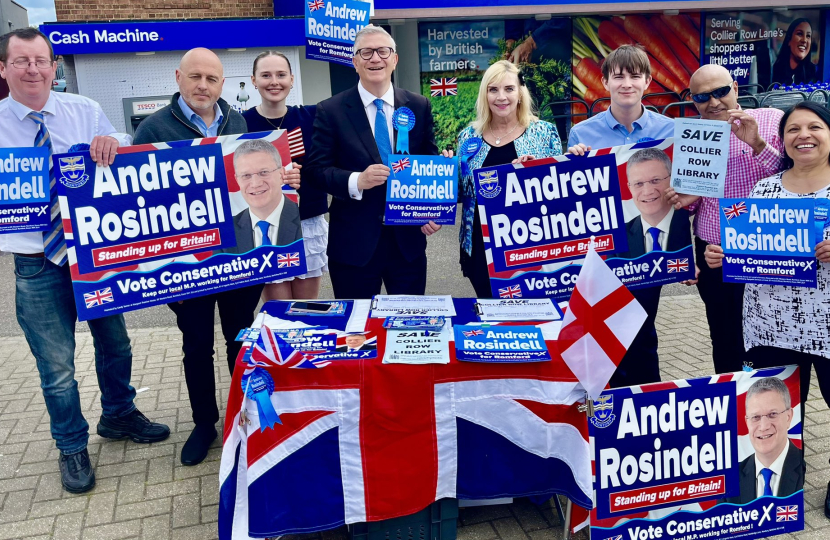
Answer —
(366, 441)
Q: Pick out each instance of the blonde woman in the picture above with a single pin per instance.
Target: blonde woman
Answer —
(509, 133)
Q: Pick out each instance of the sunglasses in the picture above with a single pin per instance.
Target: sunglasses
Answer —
(717, 93)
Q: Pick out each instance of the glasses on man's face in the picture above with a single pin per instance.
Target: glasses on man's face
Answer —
(367, 53)
(265, 173)
(755, 419)
(717, 93)
(24, 63)
(652, 182)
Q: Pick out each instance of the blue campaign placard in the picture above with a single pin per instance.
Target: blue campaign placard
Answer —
(547, 213)
(769, 241)
(500, 344)
(421, 189)
(24, 190)
(331, 26)
(146, 206)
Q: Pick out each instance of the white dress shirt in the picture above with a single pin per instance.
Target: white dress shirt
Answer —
(368, 100)
(663, 237)
(273, 219)
(70, 119)
(776, 468)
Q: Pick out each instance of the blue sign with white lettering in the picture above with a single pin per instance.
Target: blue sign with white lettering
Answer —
(770, 241)
(421, 189)
(146, 206)
(24, 190)
(331, 26)
(500, 344)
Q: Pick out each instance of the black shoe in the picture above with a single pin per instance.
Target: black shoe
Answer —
(135, 426)
(196, 448)
(77, 475)
(827, 503)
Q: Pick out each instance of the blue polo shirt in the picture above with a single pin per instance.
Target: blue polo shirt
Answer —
(603, 131)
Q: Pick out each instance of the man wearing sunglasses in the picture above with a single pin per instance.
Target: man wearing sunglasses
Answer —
(353, 137)
(755, 152)
(777, 466)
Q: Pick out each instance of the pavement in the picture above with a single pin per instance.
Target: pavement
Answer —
(143, 491)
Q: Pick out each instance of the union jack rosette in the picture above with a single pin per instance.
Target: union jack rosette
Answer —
(258, 385)
(468, 149)
(735, 210)
(404, 121)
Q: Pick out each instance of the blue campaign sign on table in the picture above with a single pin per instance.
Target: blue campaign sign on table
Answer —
(548, 212)
(137, 244)
(146, 206)
(769, 241)
(24, 190)
(500, 344)
(331, 26)
(421, 189)
(677, 460)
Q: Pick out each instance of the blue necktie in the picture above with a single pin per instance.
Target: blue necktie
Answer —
(655, 237)
(54, 246)
(264, 226)
(767, 474)
(382, 131)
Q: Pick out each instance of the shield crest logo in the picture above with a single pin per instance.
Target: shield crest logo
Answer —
(72, 170)
(603, 411)
(488, 182)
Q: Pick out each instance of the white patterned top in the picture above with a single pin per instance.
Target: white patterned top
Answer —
(795, 318)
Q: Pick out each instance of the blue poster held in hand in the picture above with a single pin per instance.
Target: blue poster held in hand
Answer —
(421, 189)
(24, 190)
(770, 241)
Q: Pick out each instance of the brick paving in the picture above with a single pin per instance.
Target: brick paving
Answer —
(143, 492)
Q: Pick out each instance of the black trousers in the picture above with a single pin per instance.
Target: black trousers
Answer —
(641, 365)
(387, 267)
(724, 310)
(194, 317)
(764, 357)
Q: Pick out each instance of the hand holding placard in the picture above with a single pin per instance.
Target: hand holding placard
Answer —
(701, 151)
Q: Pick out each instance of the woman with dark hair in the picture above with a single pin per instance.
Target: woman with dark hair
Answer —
(793, 65)
(273, 79)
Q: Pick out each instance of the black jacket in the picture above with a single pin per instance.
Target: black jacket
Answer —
(169, 124)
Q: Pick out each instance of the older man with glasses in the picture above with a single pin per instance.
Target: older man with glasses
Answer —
(755, 152)
(353, 136)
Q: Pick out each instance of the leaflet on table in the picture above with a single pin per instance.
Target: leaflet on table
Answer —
(418, 346)
(414, 323)
(678, 460)
(699, 166)
(329, 344)
(770, 241)
(276, 314)
(536, 241)
(167, 222)
(24, 190)
(387, 305)
(520, 309)
(317, 309)
(500, 344)
(421, 189)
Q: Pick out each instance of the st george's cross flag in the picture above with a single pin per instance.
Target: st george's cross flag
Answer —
(601, 322)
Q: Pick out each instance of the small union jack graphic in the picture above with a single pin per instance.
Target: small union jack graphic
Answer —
(786, 513)
(443, 87)
(99, 297)
(289, 259)
(315, 5)
(471, 333)
(398, 166)
(678, 265)
(514, 291)
(735, 210)
(618, 537)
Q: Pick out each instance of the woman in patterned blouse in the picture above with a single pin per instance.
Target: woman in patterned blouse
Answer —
(510, 133)
(786, 325)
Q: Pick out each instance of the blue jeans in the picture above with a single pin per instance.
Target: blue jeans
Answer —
(46, 313)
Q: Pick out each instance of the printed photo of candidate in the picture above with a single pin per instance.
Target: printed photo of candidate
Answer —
(356, 342)
(777, 466)
(270, 218)
(656, 225)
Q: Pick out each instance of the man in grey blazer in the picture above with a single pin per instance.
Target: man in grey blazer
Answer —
(270, 217)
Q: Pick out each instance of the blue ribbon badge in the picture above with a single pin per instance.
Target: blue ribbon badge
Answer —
(258, 386)
(403, 120)
(469, 149)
